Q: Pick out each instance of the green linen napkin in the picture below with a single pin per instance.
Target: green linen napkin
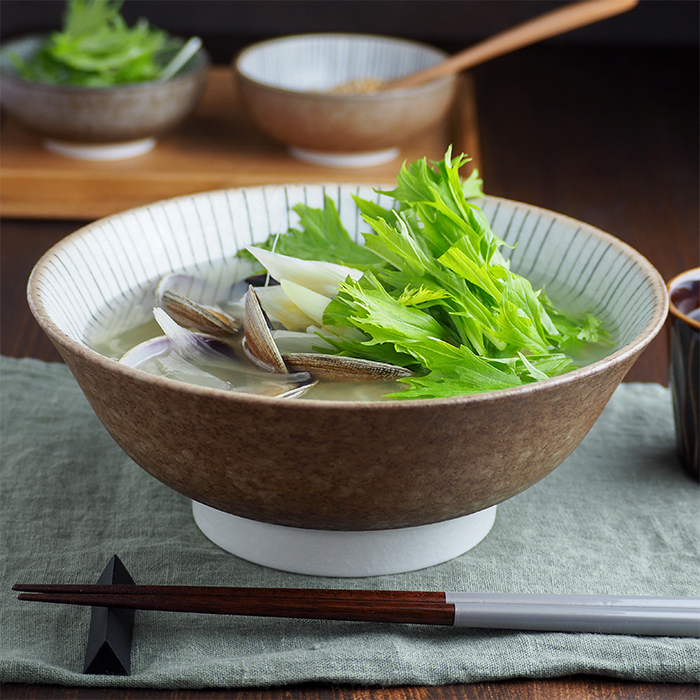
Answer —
(618, 517)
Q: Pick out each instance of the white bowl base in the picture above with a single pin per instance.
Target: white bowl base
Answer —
(341, 553)
(365, 159)
(100, 151)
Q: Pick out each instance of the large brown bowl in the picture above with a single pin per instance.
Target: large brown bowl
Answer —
(106, 115)
(323, 464)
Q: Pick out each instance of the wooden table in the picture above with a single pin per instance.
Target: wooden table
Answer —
(608, 136)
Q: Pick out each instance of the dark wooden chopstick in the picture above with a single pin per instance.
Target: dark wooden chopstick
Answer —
(418, 607)
(324, 607)
(659, 616)
(310, 594)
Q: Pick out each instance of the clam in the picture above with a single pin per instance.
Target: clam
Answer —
(258, 336)
(198, 317)
(209, 361)
(173, 355)
(211, 342)
(261, 345)
(341, 368)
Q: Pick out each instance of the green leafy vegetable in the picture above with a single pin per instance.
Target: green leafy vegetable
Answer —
(437, 295)
(96, 48)
(321, 237)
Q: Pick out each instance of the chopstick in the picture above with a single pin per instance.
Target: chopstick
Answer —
(643, 615)
(234, 591)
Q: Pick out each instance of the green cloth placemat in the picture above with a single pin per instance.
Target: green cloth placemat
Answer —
(618, 517)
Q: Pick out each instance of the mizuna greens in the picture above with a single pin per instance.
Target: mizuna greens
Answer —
(96, 48)
(436, 294)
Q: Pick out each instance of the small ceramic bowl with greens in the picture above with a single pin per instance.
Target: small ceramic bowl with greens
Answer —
(99, 89)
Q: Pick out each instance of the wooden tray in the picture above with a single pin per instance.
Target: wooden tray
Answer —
(216, 148)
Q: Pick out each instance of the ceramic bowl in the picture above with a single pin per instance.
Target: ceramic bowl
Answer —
(410, 483)
(284, 85)
(98, 123)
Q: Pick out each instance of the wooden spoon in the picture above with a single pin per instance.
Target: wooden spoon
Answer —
(550, 24)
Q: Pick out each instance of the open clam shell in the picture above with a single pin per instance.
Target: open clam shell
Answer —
(197, 317)
(258, 336)
(209, 361)
(340, 368)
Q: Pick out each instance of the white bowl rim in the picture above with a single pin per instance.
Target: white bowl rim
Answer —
(340, 97)
(638, 344)
(203, 65)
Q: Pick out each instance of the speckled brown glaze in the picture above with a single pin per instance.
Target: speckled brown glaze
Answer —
(361, 467)
(339, 465)
(99, 115)
(346, 123)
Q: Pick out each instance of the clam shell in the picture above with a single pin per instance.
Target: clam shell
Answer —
(258, 338)
(340, 368)
(197, 317)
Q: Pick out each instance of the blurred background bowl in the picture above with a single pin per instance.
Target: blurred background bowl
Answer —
(98, 123)
(274, 479)
(286, 87)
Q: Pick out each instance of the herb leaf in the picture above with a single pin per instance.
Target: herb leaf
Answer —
(322, 237)
(437, 294)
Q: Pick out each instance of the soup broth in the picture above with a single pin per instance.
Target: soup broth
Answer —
(128, 328)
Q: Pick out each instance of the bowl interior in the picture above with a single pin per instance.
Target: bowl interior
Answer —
(101, 280)
(320, 62)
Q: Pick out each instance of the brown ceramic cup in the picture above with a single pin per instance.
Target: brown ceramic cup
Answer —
(684, 345)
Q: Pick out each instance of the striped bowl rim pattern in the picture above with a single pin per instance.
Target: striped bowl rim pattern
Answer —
(82, 285)
(319, 62)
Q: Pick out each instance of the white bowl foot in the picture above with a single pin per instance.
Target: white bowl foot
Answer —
(341, 553)
(100, 151)
(345, 160)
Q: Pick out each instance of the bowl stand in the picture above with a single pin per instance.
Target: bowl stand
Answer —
(100, 151)
(341, 553)
(364, 159)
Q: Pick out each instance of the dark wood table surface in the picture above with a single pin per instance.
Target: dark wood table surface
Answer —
(605, 135)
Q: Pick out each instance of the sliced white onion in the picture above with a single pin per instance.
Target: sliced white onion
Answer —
(279, 307)
(321, 277)
(311, 303)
